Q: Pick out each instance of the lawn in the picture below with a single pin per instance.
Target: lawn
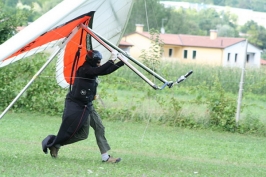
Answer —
(145, 149)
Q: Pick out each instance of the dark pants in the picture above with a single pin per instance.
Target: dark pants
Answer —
(93, 120)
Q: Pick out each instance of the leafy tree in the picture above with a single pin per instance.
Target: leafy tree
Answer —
(256, 34)
(184, 22)
(43, 7)
(48, 4)
(209, 19)
(225, 31)
(263, 55)
(9, 3)
(28, 2)
(229, 18)
(177, 22)
(219, 2)
(244, 5)
(247, 26)
(227, 25)
(147, 12)
(151, 57)
(9, 20)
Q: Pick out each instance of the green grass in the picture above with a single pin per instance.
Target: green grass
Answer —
(251, 106)
(145, 151)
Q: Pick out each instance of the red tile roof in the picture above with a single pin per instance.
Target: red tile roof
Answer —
(19, 28)
(196, 41)
(263, 62)
(124, 43)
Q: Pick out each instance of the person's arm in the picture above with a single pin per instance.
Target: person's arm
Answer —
(112, 68)
(106, 68)
(115, 66)
(95, 71)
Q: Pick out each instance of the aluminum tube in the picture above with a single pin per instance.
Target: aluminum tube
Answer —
(134, 60)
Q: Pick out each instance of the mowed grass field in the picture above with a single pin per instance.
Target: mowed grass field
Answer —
(145, 149)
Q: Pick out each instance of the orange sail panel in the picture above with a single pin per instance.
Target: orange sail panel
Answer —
(52, 35)
(78, 41)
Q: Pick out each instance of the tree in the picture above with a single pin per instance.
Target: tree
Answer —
(177, 22)
(147, 12)
(48, 4)
(184, 22)
(152, 56)
(256, 34)
(247, 26)
(9, 3)
(225, 31)
(209, 19)
(10, 19)
(218, 2)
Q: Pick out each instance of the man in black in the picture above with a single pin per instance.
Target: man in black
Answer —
(79, 113)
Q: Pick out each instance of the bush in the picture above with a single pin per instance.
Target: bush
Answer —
(44, 95)
(129, 98)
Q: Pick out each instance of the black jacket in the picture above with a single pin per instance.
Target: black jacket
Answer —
(76, 110)
(85, 85)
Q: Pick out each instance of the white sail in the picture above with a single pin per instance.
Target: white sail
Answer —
(110, 19)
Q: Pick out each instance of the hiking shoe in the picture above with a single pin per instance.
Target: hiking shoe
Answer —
(112, 160)
(53, 151)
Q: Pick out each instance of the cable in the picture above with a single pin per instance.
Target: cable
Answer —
(147, 16)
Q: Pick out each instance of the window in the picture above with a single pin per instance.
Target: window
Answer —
(170, 52)
(185, 53)
(194, 54)
(247, 58)
(228, 57)
(236, 57)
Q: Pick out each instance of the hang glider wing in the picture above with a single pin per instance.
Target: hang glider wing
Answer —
(67, 19)
(68, 28)
(108, 17)
(109, 20)
(46, 40)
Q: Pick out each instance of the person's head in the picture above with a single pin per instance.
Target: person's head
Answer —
(93, 57)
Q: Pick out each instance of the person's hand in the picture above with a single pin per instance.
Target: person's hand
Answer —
(114, 55)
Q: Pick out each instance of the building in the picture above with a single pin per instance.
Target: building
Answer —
(207, 50)
(263, 62)
(125, 46)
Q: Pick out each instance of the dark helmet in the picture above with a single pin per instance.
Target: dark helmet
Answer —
(93, 57)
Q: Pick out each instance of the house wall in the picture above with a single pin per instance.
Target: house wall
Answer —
(234, 55)
(125, 48)
(254, 56)
(139, 43)
(207, 56)
(174, 55)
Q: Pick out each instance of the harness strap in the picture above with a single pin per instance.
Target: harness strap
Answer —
(74, 67)
(76, 60)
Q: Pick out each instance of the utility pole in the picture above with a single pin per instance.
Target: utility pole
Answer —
(241, 83)
(162, 29)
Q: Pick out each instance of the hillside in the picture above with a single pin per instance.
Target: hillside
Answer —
(255, 5)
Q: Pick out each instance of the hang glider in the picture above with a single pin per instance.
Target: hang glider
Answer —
(67, 28)
(53, 27)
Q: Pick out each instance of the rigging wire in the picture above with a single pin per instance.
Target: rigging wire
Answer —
(152, 62)
(147, 16)
(147, 19)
